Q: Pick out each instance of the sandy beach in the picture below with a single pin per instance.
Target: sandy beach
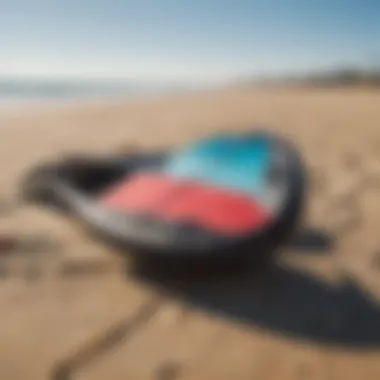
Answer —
(315, 317)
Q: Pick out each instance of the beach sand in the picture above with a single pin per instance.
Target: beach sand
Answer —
(314, 316)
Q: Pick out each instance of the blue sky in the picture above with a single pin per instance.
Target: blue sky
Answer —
(184, 40)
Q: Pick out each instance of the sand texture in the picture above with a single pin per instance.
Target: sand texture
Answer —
(70, 310)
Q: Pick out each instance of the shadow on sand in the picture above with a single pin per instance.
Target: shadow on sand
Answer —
(313, 241)
(277, 299)
(284, 300)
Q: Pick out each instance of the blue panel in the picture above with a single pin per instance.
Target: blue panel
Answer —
(239, 164)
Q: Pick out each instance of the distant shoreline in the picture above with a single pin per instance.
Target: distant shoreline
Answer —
(17, 93)
(47, 104)
(38, 102)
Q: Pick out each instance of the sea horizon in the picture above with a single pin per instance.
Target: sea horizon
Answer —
(15, 92)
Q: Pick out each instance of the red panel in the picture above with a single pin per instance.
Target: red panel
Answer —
(211, 208)
(142, 193)
(215, 209)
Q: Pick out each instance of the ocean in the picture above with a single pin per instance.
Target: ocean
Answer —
(27, 92)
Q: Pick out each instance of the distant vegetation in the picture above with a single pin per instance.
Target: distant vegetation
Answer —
(342, 77)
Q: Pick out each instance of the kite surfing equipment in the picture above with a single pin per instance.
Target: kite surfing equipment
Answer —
(221, 200)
